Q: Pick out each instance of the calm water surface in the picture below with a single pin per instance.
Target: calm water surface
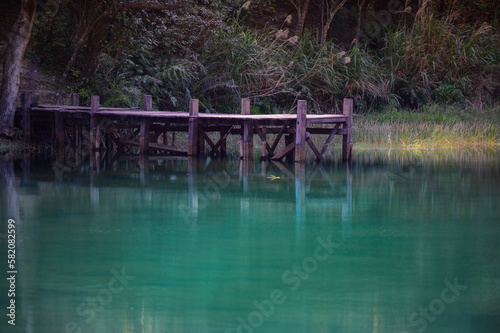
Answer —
(395, 242)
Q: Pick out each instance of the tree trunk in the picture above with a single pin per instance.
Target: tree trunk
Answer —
(301, 7)
(302, 14)
(17, 41)
(332, 8)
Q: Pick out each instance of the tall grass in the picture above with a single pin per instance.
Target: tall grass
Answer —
(435, 51)
(435, 127)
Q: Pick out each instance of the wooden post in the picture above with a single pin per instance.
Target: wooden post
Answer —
(144, 132)
(247, 140)
(300, 132)
(263, 144)
(347, 138)
(148, 103)
(144, 136)
(75, 99)
(59, 128)
(95, 136)
(223, 144)
(26, 102)
(193, 128)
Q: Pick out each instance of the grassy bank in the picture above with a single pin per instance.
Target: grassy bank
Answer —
(431, 127)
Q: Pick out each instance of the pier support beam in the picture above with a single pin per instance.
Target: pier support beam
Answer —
(347, 138)
(59, 128)
(95, 131)
(193, 128)
(300, 132)
(26, 103)
(144, 131)
(247, 139)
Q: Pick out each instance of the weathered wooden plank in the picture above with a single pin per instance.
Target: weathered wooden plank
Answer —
(313, 147)
(287, 150)
(277, 139)
(300, 135)
(159, 146)
(329, 139)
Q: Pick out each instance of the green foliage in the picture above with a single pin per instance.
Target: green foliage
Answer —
(448, 94)
(205, 51)
(433, 51)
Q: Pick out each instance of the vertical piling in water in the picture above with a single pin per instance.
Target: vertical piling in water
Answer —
(95, 132)
(193, 128)
(26, 103)
(59, 128)
(263, 144)
(247, 139)
(300, 132)
(144, 130)
(76, 128)
(347, 138)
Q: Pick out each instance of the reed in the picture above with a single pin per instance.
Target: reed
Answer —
(434, 127)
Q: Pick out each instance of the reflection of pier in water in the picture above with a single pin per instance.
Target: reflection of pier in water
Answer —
(309, 187)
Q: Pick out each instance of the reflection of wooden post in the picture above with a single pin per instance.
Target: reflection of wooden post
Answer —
(193, 128)
(347, 138)
(26, 102)
(300, 194)
(244, 169)
(247, 140)
(95, 136)
(300, 132)
(192, 188)
(143, 168)
(347, 206)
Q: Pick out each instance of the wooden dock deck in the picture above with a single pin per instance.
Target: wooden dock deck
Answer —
(145, 131)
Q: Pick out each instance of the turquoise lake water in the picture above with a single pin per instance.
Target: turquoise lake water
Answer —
(395, 242)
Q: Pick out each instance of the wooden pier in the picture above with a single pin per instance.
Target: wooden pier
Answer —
(144, 132)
